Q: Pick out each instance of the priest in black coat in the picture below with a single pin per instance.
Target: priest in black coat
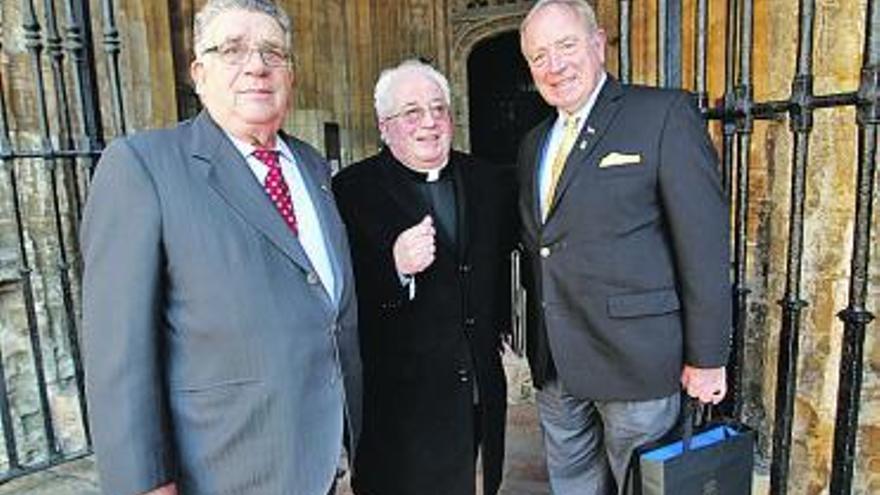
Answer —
(431, 232)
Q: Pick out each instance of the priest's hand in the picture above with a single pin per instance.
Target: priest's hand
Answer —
(169, 489)
(414, 247)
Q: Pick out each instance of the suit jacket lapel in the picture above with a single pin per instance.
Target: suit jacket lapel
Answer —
(603, 113)
(322, 200)
(227, 172)
(533, 154)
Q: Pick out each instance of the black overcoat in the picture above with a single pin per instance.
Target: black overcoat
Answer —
(421, 356)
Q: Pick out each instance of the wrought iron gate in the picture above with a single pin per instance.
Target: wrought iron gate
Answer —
(57, 160)
(737, 113)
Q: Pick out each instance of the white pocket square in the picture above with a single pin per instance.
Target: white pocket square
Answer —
(615, 159)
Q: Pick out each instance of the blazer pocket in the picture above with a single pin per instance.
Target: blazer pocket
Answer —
(652, 303)
(222, 387)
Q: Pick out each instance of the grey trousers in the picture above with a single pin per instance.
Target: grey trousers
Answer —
(589, 444)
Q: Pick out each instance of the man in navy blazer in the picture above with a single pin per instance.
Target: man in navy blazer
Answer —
(625, 233)
(220, 328)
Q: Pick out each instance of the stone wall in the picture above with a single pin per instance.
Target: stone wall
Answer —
(340, 47)
(31, 259)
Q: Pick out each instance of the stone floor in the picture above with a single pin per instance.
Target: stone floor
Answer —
(525, 473)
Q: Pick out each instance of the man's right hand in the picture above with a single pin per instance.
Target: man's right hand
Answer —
(169, 489)
(414, 247)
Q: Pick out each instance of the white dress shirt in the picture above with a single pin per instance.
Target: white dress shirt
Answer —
(309, 231)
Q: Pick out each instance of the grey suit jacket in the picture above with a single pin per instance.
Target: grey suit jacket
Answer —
(629, 275)
(214, 356)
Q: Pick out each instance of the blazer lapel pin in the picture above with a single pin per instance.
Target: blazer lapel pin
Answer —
(590, 132)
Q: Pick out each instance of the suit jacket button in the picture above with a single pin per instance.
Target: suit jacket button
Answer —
(311, 278)
(463, 376)
(544, 252)
(469, 322)
(464, 268)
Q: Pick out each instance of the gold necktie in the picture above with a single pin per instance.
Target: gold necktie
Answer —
(571, 132)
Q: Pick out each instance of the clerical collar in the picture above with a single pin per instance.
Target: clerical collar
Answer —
(432, 175)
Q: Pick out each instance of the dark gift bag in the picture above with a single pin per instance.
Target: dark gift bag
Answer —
(715, 458)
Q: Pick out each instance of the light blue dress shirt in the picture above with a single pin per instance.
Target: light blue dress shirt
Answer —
(551, 145)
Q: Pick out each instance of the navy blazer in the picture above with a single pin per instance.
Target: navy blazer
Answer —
(628, 278)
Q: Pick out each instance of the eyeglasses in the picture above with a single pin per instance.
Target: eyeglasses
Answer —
(415, 114)
(563, 48)
(239, 54)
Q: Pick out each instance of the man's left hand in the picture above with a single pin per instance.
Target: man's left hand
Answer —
(705, 384)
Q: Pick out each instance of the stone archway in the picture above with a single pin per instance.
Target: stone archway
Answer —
(469, 29)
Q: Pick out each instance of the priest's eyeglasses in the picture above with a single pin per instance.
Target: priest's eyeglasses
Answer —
(240, 54)
(414, 114)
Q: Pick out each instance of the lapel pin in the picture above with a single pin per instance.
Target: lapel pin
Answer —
(590, 130)
(583, 145)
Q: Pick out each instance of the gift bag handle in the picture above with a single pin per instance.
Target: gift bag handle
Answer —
(695, 413)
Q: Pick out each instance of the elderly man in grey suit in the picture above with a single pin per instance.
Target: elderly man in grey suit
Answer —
(626, 232)
(219, 315)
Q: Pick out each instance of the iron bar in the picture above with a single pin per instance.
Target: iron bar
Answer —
(518, 304)
(775, 110)
(792, 304)
(112, 48)
(34, 45)
(625, 52)
(744, 127)
(728, 131)
(65, 140)
(9, 441)
(856, 316)
(6, 420)
(67, 299)
(669, 43)
(79, 43)
(701, 48)
(69, 169)
(40, 466)
(56, 154)
(728, 123)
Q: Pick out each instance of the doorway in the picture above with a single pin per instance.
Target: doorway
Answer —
(503, 102)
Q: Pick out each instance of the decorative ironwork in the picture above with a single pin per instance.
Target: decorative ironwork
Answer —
(856, 317)
(737, 112)
(68, 134)
(801, 118)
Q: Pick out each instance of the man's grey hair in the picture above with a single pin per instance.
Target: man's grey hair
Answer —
(386, 86)
(583, 9)
(214, 8)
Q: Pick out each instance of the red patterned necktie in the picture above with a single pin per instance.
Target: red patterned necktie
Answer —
(276, 187)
